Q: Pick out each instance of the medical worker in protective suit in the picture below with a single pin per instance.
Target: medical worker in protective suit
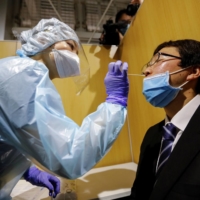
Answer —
(33, 126)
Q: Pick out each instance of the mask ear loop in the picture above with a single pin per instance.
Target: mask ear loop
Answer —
(183, 84)
(180, 70)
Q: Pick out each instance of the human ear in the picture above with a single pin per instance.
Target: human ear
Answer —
(195, 73)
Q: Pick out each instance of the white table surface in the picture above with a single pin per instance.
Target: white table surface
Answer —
(103, 183)
(107, 182)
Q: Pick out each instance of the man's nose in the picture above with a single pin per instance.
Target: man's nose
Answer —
(147, 71)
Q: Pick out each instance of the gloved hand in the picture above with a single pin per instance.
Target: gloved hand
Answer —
(43, 179)
(117, 84)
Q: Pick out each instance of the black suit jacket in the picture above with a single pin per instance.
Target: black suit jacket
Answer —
(180, 177)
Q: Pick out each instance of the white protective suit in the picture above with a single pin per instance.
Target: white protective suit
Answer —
(33, 124)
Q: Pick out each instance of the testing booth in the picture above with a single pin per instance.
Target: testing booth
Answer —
(156, 21)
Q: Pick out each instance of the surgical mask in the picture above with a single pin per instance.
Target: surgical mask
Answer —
(158, 91)
(124, 29)
(67, 63)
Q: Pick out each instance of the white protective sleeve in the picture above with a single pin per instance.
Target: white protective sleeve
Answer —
(33, 120)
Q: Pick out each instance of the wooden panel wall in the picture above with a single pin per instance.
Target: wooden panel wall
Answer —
(78, 107)
(157, 21)
(7, 48)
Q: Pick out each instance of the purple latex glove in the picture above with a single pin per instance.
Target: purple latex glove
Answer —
(43, 179)
(117, 84)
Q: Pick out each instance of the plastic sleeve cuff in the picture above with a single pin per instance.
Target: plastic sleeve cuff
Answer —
(117, 100)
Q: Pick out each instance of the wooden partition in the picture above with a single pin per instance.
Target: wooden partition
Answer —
(157, 21)
(78, 107)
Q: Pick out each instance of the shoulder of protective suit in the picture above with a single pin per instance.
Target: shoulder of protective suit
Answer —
(12, 66)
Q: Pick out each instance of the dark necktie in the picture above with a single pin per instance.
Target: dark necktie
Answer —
(169, 135)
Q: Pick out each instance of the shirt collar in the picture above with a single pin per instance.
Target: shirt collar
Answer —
(182, 118)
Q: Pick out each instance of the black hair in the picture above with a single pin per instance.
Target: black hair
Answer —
(189, 51)
(119, 14)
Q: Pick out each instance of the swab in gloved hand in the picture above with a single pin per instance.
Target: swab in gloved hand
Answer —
(117, 84)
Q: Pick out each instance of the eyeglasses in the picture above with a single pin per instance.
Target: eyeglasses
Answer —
(156, 58)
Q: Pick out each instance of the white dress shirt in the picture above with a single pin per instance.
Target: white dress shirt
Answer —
(182, 118)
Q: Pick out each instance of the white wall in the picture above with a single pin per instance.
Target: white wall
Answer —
(3, 10)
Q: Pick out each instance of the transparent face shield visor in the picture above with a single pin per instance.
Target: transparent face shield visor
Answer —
(73, 65)
(82, 80)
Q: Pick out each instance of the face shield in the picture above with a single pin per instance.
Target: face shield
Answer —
(48, 32)
(72, 65)
(82, 80)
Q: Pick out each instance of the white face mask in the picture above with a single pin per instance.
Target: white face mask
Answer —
(67, 63)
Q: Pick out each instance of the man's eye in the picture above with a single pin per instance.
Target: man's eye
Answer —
(159, 60)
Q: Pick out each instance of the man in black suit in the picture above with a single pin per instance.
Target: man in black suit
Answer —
(172, 82)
